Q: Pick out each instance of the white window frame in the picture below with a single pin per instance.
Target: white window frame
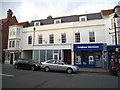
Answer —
(57, 20)
(81, 17)
(29, 40)
(37, 23)
(40, 39)
(18, 31)
(93, 37)
(17, 44)
(63, 38)
(118, 38)
(76, 38)
(51, 39)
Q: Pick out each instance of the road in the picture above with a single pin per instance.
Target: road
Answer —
(13, 78)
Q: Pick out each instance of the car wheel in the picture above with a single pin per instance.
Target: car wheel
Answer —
(69, 70)
(16, 66)
(33, 68)
(118, 73)
(47, 69)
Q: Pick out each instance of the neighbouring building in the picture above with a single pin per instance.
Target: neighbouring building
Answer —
(4, 31)
(86, 40)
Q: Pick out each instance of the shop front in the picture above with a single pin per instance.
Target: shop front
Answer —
(90, 55)
(114, 53)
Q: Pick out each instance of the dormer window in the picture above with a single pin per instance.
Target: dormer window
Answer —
(36, 23)
(57, 21)
(82, 18)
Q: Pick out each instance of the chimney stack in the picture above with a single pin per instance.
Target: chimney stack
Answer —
(9, 14)
(49, 17)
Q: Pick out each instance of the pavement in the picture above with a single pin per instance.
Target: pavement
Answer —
(94, 70)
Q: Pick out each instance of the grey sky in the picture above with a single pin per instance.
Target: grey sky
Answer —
(27, 10)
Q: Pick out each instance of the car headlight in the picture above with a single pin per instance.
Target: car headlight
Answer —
(36, 64)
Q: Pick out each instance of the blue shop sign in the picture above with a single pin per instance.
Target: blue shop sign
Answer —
(85, 47)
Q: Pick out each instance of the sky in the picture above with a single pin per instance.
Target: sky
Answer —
(28, 10)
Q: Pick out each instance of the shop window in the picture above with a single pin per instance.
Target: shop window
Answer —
(49, 54)
(42, 55)
(40, 39)
(77, 37)
(91, 36)
(63, 38)
(51, 38)
(29, 39)
(36, 55)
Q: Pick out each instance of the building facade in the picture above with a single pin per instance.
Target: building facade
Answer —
(81, 40)
(4, 31)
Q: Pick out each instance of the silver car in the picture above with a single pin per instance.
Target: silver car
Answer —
(58, 65)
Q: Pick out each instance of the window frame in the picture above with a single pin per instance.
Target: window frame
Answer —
(63, 38)
(51, 38)
(35, 23)
(57, 20)
(83, 17)
(92, 36)
(40, 39)
(29, 40)
(76, 37)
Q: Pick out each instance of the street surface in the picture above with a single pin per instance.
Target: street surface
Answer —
(13, 78)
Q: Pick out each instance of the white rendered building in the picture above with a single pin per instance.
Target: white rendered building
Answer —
(81, 40)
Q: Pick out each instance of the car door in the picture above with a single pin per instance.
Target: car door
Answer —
(52, 65)
(60, 65)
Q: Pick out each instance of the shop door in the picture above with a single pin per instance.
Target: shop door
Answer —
(84, 58)
(56, 56)
(99, 61)
(11, 58)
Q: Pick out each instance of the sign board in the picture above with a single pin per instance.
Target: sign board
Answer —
(78, 47)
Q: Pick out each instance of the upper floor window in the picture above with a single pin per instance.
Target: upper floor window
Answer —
(63, 37)
(40, 39)
(77, 37)
(92, 36)
(51, 38)
(36, 23)
(82, 18)
(17, 44)
(29, 39)
(113, 39)
(57, 21)
(11, 44)
(18, 31)
(119, 39)
(112, 23)
(12, 33)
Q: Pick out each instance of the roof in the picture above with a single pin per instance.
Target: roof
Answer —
(110, 11)
(22, 23)
(4, 20)
(107, 12)
(65, 19)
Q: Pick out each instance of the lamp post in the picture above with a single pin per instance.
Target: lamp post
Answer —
(34, 36)
(115, 16)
